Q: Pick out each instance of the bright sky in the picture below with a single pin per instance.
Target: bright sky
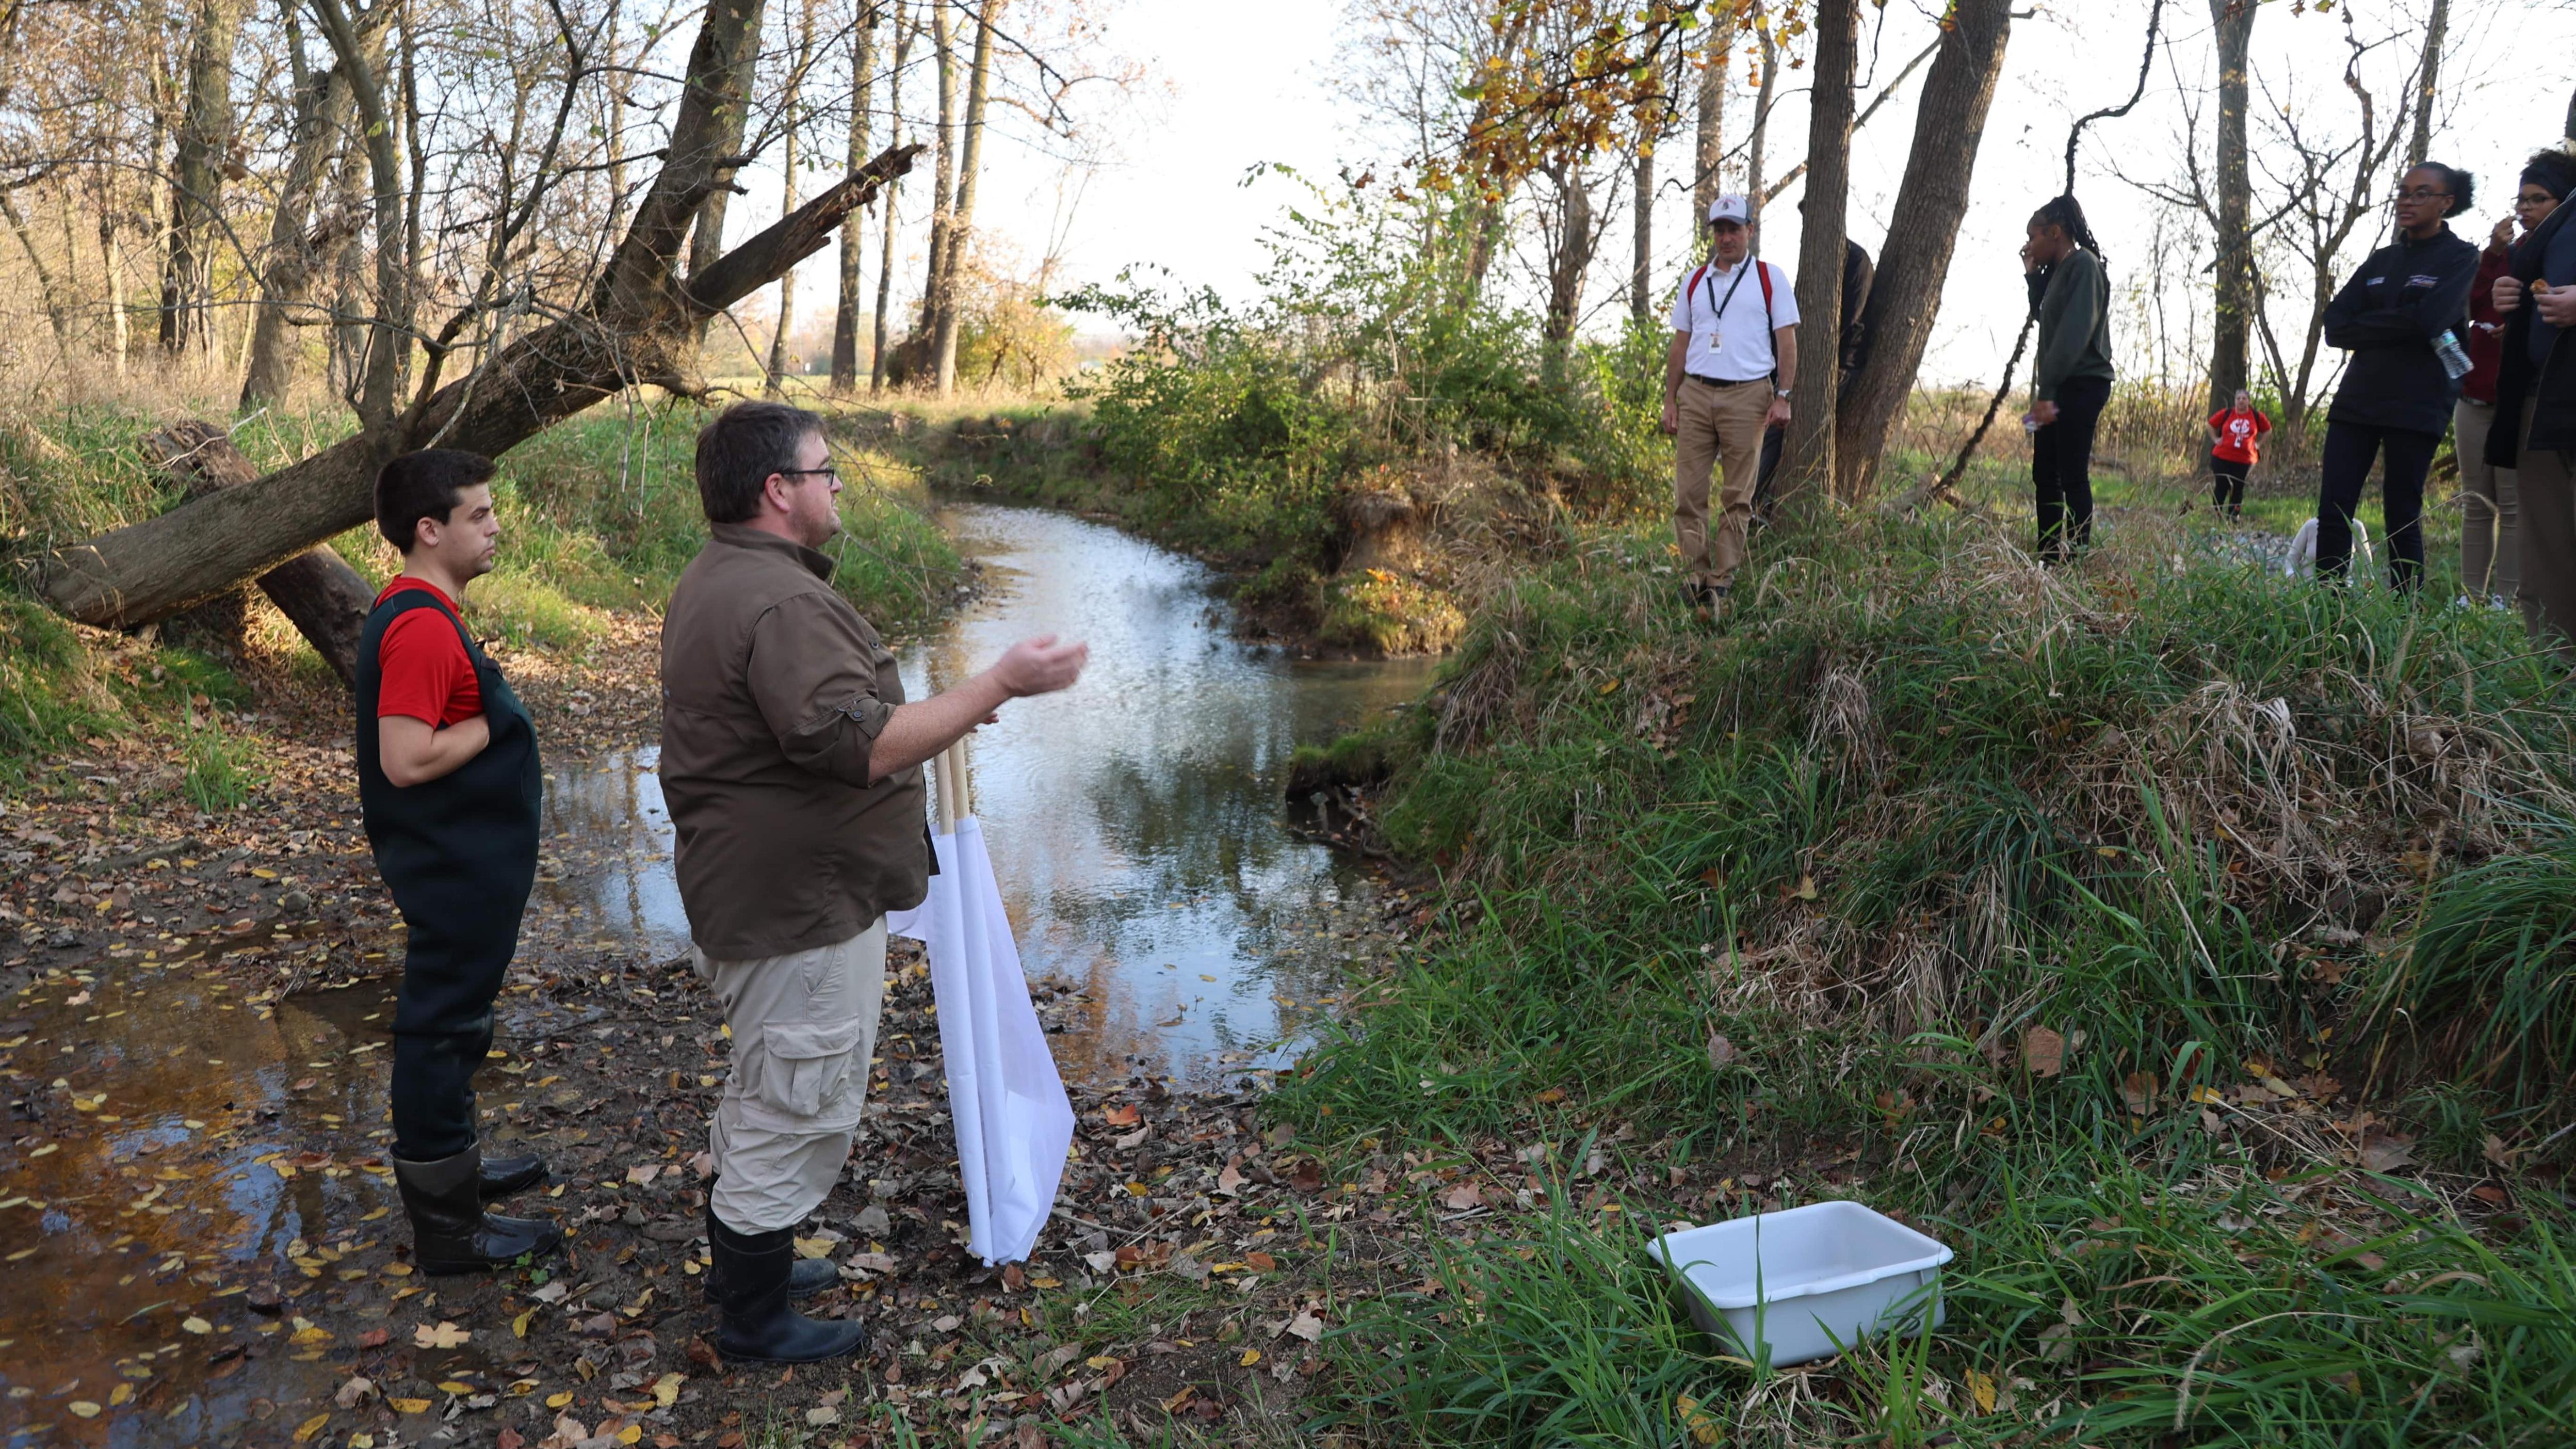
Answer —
(1239, 86)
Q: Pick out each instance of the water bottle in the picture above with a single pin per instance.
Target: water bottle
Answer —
(2455, 358)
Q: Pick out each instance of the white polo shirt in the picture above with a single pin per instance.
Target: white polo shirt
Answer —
(1735, 345)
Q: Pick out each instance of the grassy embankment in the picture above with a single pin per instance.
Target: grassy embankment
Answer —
(2188, 948)
(599, 516)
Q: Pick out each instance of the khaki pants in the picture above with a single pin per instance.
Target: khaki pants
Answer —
(1716, 422)
(804, 1033)
(2490, 553)
(2546, 532)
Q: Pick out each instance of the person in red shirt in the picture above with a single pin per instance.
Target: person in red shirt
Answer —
(449, 785)
(2236, 441)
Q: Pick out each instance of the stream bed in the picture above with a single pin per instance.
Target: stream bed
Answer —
(1138, 829)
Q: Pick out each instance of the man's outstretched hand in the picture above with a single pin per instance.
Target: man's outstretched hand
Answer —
(1040, 666)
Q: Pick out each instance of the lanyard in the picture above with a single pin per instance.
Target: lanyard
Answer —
(1719, 320)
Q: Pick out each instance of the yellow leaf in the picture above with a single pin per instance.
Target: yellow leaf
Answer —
(1251, 1356)
(1806, 888)
(519, 1325)
(412, 1406)
(454, 1386)
(83, 1407)
(122, 1393)
(666, 1389)
(2207, 1095)
(1102, 1362)
(310, 1428)
(445, 1335)
(1983, 1388)
(196, 1325)
(557, 1401)
(630, 1434)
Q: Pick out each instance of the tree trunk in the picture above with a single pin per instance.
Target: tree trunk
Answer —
(2233, 23)
(1653, 120)
(1923, 230)
(1709, 152)
(196, 175)
(903, 32)
(295, 254)
(111, 246)
(58, 308)
(781, 349)
(845, 317)
(943, 191)
(1809, 467)
(706, 243)
(1761, 132)
(316, 590)
(639, 326)
(961, 223)
(1569, 254)
(2437, 31)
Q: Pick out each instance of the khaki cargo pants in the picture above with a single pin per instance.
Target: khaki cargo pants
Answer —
(804, 1032)
(1716, 422)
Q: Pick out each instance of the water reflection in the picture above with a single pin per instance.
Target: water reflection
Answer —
(128, 1209)
(1135, 822)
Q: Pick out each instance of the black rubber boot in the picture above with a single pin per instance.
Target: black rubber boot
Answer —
(807, 1277)
(502, 1176)
(450, 1231)
(752, 1271)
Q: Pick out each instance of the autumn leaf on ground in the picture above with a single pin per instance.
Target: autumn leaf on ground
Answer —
(2138, 1092)
(1721, 1052)
(445, 1335)
(2043, 1051)
(1126, 1116)
(1983, 1388)
(1462, 1197)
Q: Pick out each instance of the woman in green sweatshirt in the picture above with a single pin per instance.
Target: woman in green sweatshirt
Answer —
(2071, 381)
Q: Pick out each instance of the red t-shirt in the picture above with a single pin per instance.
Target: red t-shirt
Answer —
(2238, 434)
(421, 666)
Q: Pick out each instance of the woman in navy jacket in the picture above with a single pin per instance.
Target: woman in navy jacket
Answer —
(2396, 398)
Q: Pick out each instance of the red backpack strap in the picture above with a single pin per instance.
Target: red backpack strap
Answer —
(1691, 285)
(1762, 269)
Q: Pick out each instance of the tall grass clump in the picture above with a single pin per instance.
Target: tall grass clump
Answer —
(2080, 916)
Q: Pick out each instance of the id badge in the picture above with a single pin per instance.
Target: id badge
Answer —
(1713, 341)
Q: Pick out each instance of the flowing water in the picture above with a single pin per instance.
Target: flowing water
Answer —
(1136, 822)
(1136, 825)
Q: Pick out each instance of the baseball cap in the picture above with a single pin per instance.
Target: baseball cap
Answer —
(1729, 207)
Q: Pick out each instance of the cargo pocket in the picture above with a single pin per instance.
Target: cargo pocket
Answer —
(810, 1066)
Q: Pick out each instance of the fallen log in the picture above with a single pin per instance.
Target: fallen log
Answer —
(317, 591)
(149, 570)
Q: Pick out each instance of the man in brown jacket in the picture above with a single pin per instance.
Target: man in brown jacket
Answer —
(792, 768)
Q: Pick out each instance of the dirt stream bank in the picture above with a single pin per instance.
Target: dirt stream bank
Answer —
(1193, 1269)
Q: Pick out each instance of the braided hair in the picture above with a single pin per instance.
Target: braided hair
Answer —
(2067, 214)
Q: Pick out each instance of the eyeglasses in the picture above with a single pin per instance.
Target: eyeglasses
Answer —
(2422, 193)
(832, 473)
(2534, 198)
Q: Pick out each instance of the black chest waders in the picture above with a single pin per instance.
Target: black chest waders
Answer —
(459, 854)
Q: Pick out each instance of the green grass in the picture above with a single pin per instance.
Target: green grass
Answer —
(2001, 887)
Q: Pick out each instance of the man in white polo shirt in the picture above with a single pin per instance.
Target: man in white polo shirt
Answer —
(1726, 379)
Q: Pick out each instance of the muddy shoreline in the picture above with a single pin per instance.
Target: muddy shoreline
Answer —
(212, 1250)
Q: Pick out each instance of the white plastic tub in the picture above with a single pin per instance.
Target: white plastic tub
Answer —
(1797, 1282)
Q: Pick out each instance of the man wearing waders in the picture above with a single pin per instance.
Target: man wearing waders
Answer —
(792, 768)
(449, 784)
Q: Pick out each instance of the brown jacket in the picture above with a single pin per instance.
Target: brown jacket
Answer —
(773, 691)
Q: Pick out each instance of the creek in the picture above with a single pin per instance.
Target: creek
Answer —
(1148, 863)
